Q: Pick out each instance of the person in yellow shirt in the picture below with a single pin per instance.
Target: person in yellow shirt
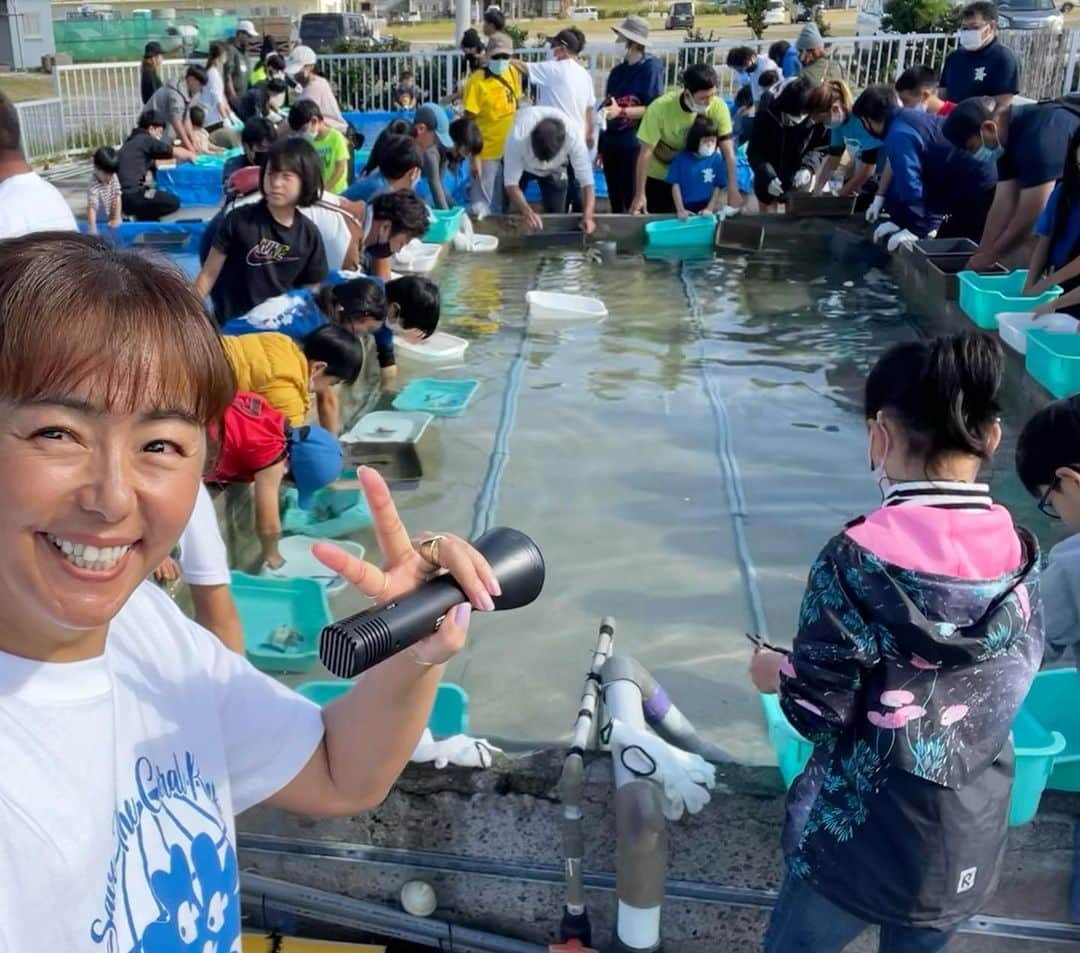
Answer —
(662, 134)
(333, 148)
(287, 374)
(491, 97)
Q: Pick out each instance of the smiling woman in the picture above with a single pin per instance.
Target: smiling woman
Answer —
(130, 736)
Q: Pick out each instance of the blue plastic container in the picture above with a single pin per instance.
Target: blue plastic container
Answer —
(1035, 747)
(433, 395)
(698, 231)
(449, 716)
(984, 297)
(169, 237)
(332, 514)
(193, 183)
(267, 604)
(1054, 361)
(1054, 701)
(445, 224)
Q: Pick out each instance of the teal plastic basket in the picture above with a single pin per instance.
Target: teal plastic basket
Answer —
(266, 604)
(449, 715)
(332, 514)
(1035, 747)
(434, 395)
(984, 297)
(698, 231)
(1054, 361)
(1054, 701)
(445, 224)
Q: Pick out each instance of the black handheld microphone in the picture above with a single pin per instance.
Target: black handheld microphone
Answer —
(361, 641)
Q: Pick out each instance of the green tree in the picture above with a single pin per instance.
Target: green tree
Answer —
(822, 24)
(517, 34)
(916, 16)
(754, 16)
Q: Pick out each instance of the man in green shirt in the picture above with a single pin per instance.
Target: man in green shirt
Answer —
(333, 148)
(662, 134)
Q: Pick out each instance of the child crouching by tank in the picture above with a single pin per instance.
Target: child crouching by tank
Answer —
(698, 174)
(287, 373)
(919, 635)
(103, 193)
(258, 445)
(1048, 462)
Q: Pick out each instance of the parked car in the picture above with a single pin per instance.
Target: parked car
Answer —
(583, 13)
(680, 15)
(1030, 15)
(802, 12)
(775, 12)
(322, 31)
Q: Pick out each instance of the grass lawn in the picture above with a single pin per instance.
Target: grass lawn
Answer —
(724, 27)
(23, 86)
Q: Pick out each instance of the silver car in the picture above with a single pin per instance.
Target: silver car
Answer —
(1030, 15)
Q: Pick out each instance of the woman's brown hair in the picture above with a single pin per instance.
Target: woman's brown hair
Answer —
(833, 93)
(75, 309)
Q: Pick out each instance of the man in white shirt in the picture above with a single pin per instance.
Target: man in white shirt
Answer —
(301, 66)
(542, 145)
(749, 66)
(27, 202)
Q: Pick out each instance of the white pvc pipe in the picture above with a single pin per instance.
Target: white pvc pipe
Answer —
(639, 929)
(461, 18)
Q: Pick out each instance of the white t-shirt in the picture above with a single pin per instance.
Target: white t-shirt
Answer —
(518, 157)
(204, 560)
(213, 93)
(564, 85)
(122, 775)
(761, 67)
(30, 204)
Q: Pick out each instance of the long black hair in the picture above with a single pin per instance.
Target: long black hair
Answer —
(1068, 197)
(942, 392)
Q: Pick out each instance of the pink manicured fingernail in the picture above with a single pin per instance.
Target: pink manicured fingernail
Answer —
(462, 614)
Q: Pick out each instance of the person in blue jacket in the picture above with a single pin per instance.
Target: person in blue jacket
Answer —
(787, 56)
(908, 137)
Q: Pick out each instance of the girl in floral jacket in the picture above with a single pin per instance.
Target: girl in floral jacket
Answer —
(919, 635)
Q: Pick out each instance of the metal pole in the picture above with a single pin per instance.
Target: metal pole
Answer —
(462, 18)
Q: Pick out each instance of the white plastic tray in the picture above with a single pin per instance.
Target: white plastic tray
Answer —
(388, 426)
(417, 258)
(557, 306)
(475, 242)
(440, 348)
(1014, 326)
(300, 563)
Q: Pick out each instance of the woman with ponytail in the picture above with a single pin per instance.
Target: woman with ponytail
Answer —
(919, 635)
(830, 106)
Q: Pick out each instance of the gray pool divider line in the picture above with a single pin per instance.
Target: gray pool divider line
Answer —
(685, 890)
(725, 454)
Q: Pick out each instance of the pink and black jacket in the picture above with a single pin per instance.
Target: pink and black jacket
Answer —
(919, 635)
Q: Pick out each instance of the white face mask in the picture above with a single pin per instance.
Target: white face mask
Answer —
(971, 40)
(877, 472)
(920, 107)
(707, 148)
(698, 109)
(836, 120)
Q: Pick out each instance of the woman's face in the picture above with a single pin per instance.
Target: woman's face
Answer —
(93, 502)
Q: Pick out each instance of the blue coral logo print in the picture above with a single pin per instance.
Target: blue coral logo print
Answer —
(172, 881)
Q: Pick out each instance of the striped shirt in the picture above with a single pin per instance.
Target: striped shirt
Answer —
(100, 196)
(945, 494)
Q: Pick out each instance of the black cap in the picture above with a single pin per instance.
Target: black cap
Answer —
(568, 38)
(470, 40)
(153, 48)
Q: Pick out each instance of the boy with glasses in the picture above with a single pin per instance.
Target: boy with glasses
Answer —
(1048, 462)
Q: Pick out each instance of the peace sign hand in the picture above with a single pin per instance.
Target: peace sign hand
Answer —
(404, 569)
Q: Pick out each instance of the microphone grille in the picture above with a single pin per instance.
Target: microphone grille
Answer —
(347, 649)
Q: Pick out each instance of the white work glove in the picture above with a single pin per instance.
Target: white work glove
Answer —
(902, 239)
(776, 188)
(802, 180)
(884, 230)
(730, 211)
(686, 778)
(461, 750)
(873, 213)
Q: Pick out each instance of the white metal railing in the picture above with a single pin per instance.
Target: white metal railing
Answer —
(100, 102)
(41, 129)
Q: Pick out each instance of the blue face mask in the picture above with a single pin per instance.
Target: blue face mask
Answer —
(742, 76)
(989, 154)
(498, 67)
